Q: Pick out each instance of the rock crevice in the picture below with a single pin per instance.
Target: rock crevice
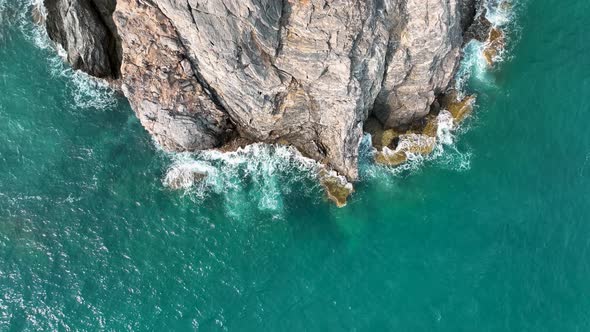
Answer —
(86, 31)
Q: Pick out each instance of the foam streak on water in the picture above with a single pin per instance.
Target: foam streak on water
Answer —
(502, 15)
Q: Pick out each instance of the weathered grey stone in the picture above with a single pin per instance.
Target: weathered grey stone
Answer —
(422, 61)
(85, 30)
(305, 72)
(166, 97)
(309, 72)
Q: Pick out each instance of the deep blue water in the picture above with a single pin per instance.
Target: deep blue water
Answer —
(492, 235)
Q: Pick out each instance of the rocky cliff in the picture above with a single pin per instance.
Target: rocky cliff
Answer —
(203, 73)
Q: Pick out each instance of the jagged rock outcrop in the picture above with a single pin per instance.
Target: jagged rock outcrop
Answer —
(85, 29)
(480, 28)
(306, 72)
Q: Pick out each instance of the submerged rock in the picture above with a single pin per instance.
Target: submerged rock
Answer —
(409, 145)
(459, 107)
(336, 187)
(380, 137)
(494, 45)
(480, 29)
(391, 157)
(221, 74)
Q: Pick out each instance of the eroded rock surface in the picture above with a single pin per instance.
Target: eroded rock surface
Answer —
(394, 147)
(159, 81)
(200, 73)
(85, 29)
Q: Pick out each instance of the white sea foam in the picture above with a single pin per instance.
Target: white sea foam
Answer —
(498, 14)
(262, 165)
(2, 10)
(261, 173)
(258, 173)
(473, 65)
(181, 173)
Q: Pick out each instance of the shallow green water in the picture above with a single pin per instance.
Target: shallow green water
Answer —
(494, 235)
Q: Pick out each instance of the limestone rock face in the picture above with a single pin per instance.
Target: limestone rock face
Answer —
(306, 72)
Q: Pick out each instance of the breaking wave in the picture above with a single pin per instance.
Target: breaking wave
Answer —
(473, 66)
(86, 91)
(259, 173)
(504, 16)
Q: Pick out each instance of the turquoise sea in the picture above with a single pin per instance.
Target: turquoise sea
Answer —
(492, 234)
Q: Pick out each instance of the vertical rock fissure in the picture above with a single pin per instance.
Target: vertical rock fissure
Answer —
(190, 10)
(283, 20)
(114, 46)
(211, 93)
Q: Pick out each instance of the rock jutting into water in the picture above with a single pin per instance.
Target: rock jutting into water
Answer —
(308, 73)
(395, 147)
(494, 45)
(337, 188)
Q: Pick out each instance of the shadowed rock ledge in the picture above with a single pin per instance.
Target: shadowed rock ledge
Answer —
(203, 74)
